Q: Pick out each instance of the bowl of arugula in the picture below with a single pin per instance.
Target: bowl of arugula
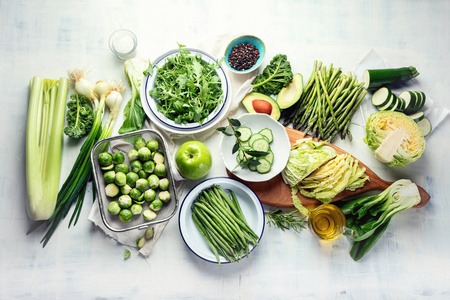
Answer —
(187, 92)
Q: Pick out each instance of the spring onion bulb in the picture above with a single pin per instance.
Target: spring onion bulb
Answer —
(44, 145)
(82, 85)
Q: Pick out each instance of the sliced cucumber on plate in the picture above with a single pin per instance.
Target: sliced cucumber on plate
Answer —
(259, 141)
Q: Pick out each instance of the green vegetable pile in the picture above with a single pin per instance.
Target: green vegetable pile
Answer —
(275, 76)
(369, 216)
(187, 89)
(222, 223)
(136, 179)
(80, 117)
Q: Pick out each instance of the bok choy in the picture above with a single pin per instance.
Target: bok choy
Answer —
(44, 145)
(369, 216)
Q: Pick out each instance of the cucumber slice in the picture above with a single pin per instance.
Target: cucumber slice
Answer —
(240, 155)
(261, 145)
(381, 96)
(264, 166)
(252, 167)
(246, 133)
(255, 137)
(269, 156)
(389, 104)
(418, 116)
(267, 132)
(425, 126)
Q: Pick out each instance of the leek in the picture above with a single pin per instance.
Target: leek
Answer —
(44, 145)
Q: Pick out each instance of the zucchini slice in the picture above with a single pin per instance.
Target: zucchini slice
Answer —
(410, 99)
(390, 104)
(381, 97)
(418, 116)
(425, 126)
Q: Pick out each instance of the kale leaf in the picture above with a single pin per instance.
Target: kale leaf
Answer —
(274, 77)
(79, 117)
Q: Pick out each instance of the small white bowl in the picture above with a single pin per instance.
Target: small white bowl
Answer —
(280, 147)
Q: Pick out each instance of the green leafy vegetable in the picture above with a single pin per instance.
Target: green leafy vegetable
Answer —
(394, 138)
(275, 76)
(187, 89)
(369, 216)
(286, 221)
(79, 117)
(133, 113)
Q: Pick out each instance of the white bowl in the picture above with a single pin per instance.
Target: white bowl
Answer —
(280, 147)
(149, 104)
(250, 205)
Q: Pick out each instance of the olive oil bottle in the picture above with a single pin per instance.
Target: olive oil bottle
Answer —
(328, 222)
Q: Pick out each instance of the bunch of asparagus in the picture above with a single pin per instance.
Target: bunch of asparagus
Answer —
(327, 104)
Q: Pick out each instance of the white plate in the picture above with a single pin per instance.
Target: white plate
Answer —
(149, 104)
(250, 205)
(280, 147)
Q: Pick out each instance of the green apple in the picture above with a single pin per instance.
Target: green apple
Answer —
(193, 160)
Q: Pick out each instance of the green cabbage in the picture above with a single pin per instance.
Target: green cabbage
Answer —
(394, 138)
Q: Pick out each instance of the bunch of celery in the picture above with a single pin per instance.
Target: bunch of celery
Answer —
(73, 190)
(44, 145)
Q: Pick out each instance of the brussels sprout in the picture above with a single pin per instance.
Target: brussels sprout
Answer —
(114, 208)
(144, 154)
(164, 196)
(120, 179)
(139, 143)
(132, 155)
(132, 178)
(126, 254)
(125, 215)
(158, 157)
(142, 184)
(104, 159)
(118, 157)
(125, 201)
(122, 168)
(149, 215)
(109, 176)
(152, 145)
(125, 190)
(160, 170)
(149, 233)
(148, 166)
(111, 190)
(153, 181)
(136, 166)
(150, 195)
(135, 193)
(156, 205)
(136, 209)
(164, 184)
(142, 174)
(140, 200)
(140, 242)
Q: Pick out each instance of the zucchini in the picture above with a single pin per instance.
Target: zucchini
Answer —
(418, 116)
(264, 166)
(267, 132)
(380, 77)
(424, 126)
(381, 97)
(410, 99)
(245, 133)
(390, 104)
(422, 100)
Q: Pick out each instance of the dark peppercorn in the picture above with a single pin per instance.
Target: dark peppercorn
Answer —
(243, 56)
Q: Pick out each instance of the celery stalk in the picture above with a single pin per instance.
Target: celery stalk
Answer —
(44, 144)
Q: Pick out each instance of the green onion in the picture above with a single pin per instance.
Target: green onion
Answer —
(44, 145)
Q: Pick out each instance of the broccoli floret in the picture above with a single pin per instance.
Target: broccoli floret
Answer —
(79, 117)
(274, 77)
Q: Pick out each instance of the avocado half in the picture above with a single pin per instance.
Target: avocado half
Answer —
(290, 94)
(251, 99)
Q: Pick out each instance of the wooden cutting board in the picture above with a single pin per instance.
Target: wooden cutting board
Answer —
(278, 194)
